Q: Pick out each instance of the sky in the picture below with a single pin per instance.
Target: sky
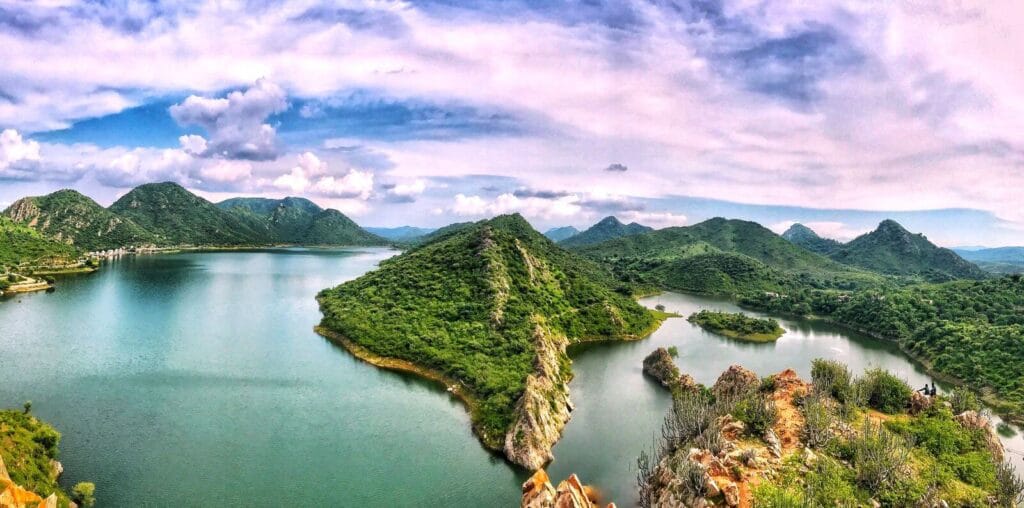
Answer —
(833, 113)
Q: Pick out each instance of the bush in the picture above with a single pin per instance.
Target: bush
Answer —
(84, 493)
(673, 351)
(48, 438)
(817, 421)
(962, 399)
(692, 476)
(831, 378)
(830, 484)
(768, 495)
(884, 391)
(1009, 486)
(757, 411)
(879, 457)
(974, 468)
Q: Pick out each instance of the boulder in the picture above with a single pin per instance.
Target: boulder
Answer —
(919, 402)
(736, 381)
(731, 494)
(975, 420)
(660, 366)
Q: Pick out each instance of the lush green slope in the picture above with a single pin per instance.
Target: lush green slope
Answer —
(401, 234)
(969, 330)
(891, 249)
(72, 218)
(300, 221)
(28, 445)
(722, 256)
(23, 245)
(474, 304)
(562, 233)
(806, 237)
(738, 325)
(607, 229)
(178, 217)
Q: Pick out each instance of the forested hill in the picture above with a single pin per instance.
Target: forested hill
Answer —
(490, 306)
(562, 233)
(21, 244)
(893, 250)
(806, 237)
(607, 229)
(996, 260)
(970, 330)
(722, 256)
(69, 217)
(299, 221)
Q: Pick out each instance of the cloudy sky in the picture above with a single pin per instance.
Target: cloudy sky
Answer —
(835, 113)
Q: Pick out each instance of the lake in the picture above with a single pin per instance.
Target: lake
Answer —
(196, 379)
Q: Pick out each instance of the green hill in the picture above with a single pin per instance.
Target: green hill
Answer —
(806, 237)
(21, 244)
(75, 219)
(721, 256)
(607, 229)
(299, 221)
(996, 260)
(562, 233)
(891, 249)
(178, 217)
(489, 308)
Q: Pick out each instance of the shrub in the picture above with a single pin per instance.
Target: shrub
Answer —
(693, 478)
(48, 438)
(768, 495)
(884, 391)
(1009, 486)
(974, 468)
(711, 439)
(831, 378)
(817, 421)
(830, 484)
(962, 399)
(879, 457)
(673, 351)
(757, 411)
(84, 493)
(692, 414)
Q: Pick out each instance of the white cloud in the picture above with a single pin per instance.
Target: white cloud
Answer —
(532, 207)
(655, 220)
(19, 158)
(354, 184)
(235, 124)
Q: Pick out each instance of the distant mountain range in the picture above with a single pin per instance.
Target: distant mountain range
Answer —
(562, 233)
(402, 234)
(608, 228)
(166, 214)
(892, 250)
(995, 260)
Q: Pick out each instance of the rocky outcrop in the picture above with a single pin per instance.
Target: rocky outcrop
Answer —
(660, 366)
(975, 420)
(13, 496)
(544, 408)
(736, 381)
(570, 493)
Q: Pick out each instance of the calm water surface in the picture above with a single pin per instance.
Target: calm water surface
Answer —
(195, 379)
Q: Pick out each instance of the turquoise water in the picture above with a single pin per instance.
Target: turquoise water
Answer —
(195, 379)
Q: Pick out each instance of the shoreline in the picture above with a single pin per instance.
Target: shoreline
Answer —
(394, 364)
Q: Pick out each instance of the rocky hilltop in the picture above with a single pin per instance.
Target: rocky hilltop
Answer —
(570, 493)
(488, 309)
(835, 441)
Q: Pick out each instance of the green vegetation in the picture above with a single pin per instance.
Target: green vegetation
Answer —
(1001, 260)
(72, 218)
(178, 217)
(23, 246)
(895, 459)
(806, 237)
(562, 233)
(738, 325)
(476, 304)
(891, 249)
(721, 256)
(84, 494)
(607, 229)
(29, 447)
(972, 331)
(299, 221)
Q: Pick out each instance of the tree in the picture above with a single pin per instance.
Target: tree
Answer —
(84, 494)
(27, 406)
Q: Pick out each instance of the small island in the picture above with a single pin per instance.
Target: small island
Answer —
(737, 325)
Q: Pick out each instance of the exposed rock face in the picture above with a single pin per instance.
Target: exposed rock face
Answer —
(13, 496)
(544, 408)
(919, 402)
(734, 382)
(571, 493)
(660, 366)
(974, 420)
